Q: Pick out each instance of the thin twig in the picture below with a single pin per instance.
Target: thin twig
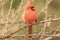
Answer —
(17, 11)
(2, 10)
(8, 35)
(54, 19)
(9, 13)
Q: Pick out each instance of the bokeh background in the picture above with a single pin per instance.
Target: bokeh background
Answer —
(11, 14)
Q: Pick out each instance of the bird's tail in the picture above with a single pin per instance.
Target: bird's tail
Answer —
(30, 31)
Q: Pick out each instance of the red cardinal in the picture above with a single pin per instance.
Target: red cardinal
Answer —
(29, 15)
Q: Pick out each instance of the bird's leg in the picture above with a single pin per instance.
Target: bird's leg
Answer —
(36, 21)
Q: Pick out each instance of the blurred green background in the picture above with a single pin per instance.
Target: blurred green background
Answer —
(53, 12)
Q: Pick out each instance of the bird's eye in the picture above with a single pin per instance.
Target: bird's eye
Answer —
(32, 8)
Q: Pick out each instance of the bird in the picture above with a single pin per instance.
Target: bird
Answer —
(30, 15)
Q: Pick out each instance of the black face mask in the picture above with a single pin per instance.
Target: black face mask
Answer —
(32, 8)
